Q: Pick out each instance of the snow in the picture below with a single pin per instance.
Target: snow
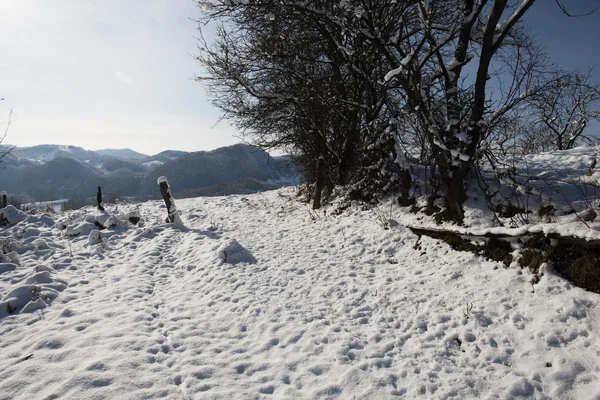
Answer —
(567, 180)
(42, 205)
(153, 164)
(12, 214)
(232, 252)
(403, 63)
(260, 297)
(82, 228)
(95, 237)
(206, 6)
(502, 27)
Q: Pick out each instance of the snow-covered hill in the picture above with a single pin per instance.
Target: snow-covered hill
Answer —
(164, 157)
(126, 154)
(204, 169)
(48, 152)
(35, 174)
(259, 297)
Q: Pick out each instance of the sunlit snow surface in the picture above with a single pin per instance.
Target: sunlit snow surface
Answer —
(313, 306)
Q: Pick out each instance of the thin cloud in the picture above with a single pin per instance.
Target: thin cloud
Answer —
(123, 77)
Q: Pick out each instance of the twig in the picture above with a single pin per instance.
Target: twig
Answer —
(568, 14)
(467, 312)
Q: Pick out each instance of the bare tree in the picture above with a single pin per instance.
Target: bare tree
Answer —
(447, 80)
(4, 151)
(302, 76)
(563, 111)
(456, 110)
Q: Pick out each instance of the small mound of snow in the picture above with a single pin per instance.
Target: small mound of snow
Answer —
(12, 257)
(106, 220)
(521, 388)
(29, 298)
(133, 217)
(95, 237)
(82, 228)
(12, 214)
(77, 225)
(41, 268)
(40, 277)
(34, 305)
(31, 233)
(44, 220)
(6, 267)
(62, 224)
(18, 298)
(40, 243)
(231, 252)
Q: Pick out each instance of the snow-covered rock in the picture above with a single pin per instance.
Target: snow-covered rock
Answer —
(81, 228)
(133, 217)
(95, 237)
(43, 219)
(12, 214)
(106, 220)
(231, 252)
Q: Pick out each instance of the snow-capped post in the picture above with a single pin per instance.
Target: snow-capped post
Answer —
(165, 191)
(318, 183)
(3, 199)
(99, 199)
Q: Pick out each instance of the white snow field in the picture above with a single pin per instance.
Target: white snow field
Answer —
(258, 297)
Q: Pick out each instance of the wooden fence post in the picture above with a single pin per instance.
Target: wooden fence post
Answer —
(318, 183)
(3, 199)
(165, 191)
(99, 199)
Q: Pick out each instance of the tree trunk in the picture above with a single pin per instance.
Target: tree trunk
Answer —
(99, 199)
(405, 184)
(165, 191)
(452, 184)
(455, 195)
(318, 183)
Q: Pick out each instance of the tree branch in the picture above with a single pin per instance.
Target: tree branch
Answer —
(568, 14)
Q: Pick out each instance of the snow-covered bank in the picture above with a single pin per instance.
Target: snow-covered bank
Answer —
(260, 297)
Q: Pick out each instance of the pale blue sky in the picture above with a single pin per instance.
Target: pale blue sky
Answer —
(119, 73)
(573, 43)
(109, 73)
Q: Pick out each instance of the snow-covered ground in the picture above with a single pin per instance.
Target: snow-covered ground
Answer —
(43, 205)
(259, 297)
(568, 181)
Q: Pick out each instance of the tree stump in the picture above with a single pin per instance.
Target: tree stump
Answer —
(99, 199)
(165, 191)
(3, 199)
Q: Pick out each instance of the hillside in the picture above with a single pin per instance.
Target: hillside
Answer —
(50, 172)
(48, 152)
(205, 169)
(164, 157)
(126, 154)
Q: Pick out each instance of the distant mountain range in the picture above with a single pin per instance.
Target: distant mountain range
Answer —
(126, 154)
(51, 172)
